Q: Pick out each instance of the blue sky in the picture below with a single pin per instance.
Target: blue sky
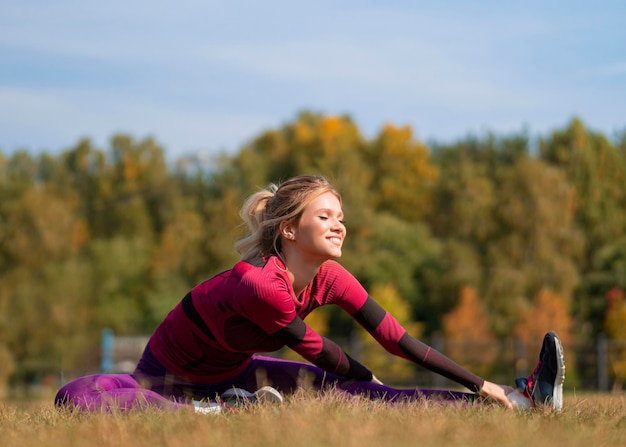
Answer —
(207, 76)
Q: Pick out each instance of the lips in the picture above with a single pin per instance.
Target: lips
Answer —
(335, 240)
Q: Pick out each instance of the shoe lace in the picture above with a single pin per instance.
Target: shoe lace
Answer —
(530, 381)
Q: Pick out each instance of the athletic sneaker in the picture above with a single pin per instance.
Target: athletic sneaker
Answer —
(238, 396)
(545, 385)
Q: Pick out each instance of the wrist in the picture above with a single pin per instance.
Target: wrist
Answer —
(480, 389)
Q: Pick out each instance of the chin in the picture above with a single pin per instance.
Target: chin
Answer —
(331, 256)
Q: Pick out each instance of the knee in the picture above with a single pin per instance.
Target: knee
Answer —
(62, 399)
(68, 395)
(78, 392)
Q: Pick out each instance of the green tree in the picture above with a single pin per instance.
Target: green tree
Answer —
(41, 235)
(607, 272)
(536, 244)
(596, 168)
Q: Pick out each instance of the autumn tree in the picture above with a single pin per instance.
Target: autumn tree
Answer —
(403, 174)
(536, 244)
(615, 326)
(596, 169)
(548, 311)
(468, 336)
(42, 235)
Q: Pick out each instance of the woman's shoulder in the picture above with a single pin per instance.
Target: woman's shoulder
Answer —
(266, 265)
(332, 267)
(262, 266)
(263, 274)
(335, 284)
(332, 272)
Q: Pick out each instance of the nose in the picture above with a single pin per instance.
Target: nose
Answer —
(338, 226)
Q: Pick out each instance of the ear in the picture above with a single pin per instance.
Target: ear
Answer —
(287, 230)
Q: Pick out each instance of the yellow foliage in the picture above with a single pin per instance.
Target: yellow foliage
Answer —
(399, 149)
(336, 134)
(396, 139)
(303, 133)
(318, 321)
(330, 127)
(405, 173)
(131, 170)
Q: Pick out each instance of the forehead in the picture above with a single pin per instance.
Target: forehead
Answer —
(327, 200)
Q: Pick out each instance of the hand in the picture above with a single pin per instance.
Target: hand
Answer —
(497, 393)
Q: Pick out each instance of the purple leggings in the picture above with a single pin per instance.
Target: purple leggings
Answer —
(103, 392)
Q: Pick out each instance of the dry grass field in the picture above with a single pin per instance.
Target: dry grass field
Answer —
(311, 420)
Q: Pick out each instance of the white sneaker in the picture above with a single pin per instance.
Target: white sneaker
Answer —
(269, 395)
(235, 396)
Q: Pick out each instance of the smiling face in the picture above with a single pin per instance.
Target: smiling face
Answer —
(320, 231)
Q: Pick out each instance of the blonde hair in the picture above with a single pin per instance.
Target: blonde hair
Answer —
(264, 210)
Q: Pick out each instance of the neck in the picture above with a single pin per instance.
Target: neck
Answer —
(301, 271)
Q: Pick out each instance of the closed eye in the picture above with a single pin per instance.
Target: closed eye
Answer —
(341, 221)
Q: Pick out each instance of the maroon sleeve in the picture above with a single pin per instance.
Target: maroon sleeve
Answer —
(394, 338)
(321, 351)
(435, 361)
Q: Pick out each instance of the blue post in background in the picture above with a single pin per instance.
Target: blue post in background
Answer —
(106, 350)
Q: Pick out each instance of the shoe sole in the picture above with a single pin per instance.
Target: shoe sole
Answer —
(557, 397)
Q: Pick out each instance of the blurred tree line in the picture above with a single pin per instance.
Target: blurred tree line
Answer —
(478, 240)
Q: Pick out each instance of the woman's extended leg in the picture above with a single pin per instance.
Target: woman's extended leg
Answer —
(106, 392)
(287, 376)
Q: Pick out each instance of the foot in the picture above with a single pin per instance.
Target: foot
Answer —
(545, 385)
(269, 395)
(238, 396)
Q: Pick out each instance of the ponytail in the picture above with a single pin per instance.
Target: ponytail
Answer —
(253, 212)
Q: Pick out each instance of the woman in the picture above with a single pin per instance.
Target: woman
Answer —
(208, 343)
